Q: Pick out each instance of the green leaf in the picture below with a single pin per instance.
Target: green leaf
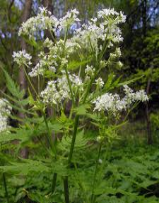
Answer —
(73, 65)
(109, 81)
(13, 87)
(21, 135)
(82, 109)
(129, 81)
(32, 42)
(25, 167)
(81, 141)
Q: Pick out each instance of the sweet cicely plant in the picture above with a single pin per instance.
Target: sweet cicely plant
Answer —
(71, 89)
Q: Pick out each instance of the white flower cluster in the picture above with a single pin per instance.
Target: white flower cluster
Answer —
(89, 70)
(87, 38)
(113, 103)
(97, 28)
(5, 111)
(101, 28)
(44, 20)
(22, 58)
(69, 19)
(54, 58)
(50, 95)
(41, 22)
(113, 60)
(46, 62)
(58, 91)
(106, 13)
(99, 82)
(132, 96)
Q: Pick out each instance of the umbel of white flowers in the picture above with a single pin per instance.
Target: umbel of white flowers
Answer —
(113, 103)
(5, 111)
(89, 39)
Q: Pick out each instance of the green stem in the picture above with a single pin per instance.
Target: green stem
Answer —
(66, 188)
(38, 84)
(65, 38)
(48, 130)
(73, 139)
(103, 50)
(95, 174)
(69, 84)
(66, 185)
(5, 187)
(30, 82)
(54, 150)
(42, 144)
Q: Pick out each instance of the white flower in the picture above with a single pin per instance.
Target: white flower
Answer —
(118, 52)
(69, 19)
(89, 70)
(50, 95)
(52, 68)
(5, 111)
(106, 12)
(58, 91)
(141, 96)
(22, 58)
(100, 161)
(38, 23)
(48, 43)
(64, 62)
(37, 70)
(99, 82)
(113, 103)
(44, 11)
(119, 64)
(134, 96)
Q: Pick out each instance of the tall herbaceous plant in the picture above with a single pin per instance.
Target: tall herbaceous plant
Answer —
(71, 89)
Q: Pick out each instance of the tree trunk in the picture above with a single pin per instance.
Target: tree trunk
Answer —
(22, 78)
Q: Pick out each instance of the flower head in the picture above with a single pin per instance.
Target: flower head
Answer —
(113, 103)
(22, 58)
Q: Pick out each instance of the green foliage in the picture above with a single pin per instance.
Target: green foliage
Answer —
(119, 174)
(127, 175)
(12, 87)
(154, 119)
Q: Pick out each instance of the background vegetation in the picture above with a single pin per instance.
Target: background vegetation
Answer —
(129, 166)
